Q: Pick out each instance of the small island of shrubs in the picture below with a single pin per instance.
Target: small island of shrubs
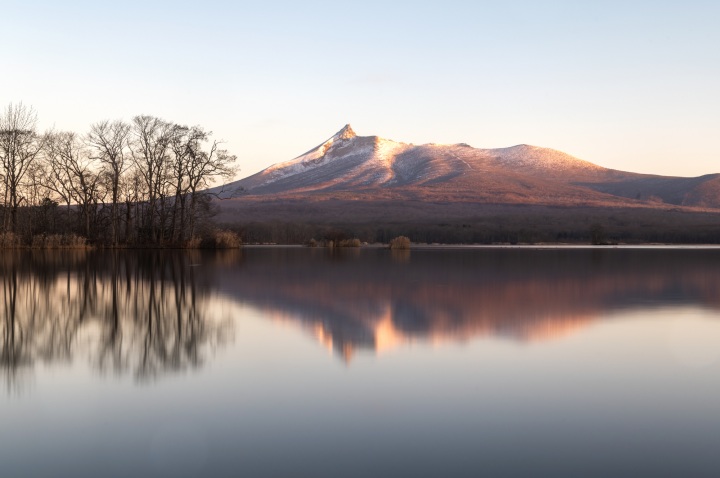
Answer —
(400, 243)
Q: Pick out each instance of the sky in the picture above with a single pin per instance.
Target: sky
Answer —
(631, 85)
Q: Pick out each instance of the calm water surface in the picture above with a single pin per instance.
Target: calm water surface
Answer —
(307, 362)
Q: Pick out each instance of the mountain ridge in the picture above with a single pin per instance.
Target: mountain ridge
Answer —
(349, 166)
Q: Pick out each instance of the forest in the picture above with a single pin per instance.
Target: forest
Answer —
(496, 224)
(136, 183)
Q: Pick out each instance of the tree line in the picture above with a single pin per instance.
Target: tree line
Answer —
(141, 182)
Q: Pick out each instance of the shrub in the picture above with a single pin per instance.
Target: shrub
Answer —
(227, 240)
(400, 242)
(312, 243)
(9, 240)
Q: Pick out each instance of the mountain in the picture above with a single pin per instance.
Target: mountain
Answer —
(376, 189)
(352, 167)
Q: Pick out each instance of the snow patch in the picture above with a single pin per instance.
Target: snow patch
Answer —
(310, 160)
(524, 155)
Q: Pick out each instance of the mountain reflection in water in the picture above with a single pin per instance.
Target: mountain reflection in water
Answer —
(144, 313)
(151, 313)
(374, 299)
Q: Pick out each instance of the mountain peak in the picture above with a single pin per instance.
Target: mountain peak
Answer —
(345, 133)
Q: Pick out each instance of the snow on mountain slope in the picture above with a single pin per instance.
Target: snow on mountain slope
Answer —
(374, 167)
(526, 156)
(346, 159)
(313, 158)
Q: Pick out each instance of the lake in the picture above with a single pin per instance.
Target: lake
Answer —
(273, 361)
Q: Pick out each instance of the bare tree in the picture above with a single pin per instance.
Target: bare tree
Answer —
(204, 166)
(192, 169)
(56, 177)
(110, 142)
(150, 148)
(72, 164)
(180, 139)
(131, 189)
(42, 215)
(20, 145)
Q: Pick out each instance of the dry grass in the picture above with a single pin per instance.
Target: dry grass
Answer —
(58, 241)
(8, 240)
(350, 243)
(227, 240)
(193, 243)
(38, 242)
(400, 243)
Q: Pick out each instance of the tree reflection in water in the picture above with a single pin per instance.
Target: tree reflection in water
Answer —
(147, 313)
(154, 312)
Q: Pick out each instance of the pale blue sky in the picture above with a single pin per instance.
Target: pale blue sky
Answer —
(631, 85)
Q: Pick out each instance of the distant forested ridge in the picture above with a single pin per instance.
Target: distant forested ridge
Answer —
(141, 182)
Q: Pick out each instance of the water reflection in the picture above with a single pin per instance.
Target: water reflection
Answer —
(376, 300)
(633, 391)
(127, 312)
(152, 313)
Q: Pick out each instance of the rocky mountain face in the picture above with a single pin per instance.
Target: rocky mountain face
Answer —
(351, 167)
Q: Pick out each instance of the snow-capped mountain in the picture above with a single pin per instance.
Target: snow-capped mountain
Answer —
(348, 166)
